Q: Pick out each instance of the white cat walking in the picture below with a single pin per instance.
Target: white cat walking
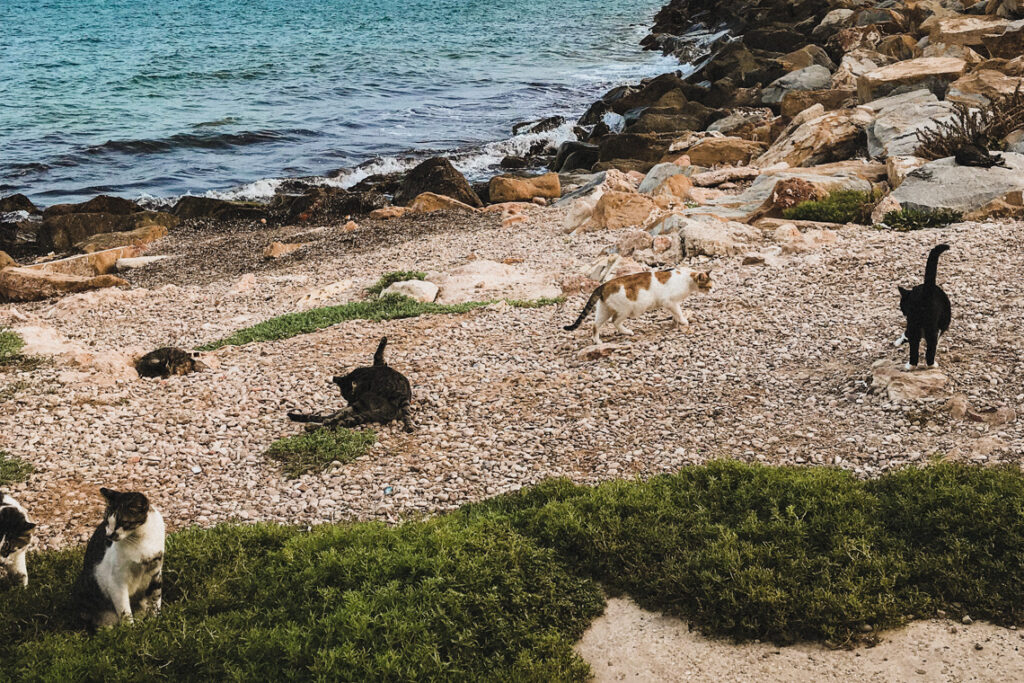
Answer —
(122, 573)
(632, 295)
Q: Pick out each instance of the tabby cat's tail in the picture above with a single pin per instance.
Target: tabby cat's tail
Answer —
(591, 302)
(931, 269)
(296, 416)
(378, 357)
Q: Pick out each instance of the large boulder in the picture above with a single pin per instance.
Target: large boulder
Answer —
(658, 175)
(616, 210)
(796, 101)
(1009, 44)
(818, 138)
(88, 265)
(980, 87)
(933, 73)
(218, 209)
(438, 176)
(942, 184)
(101, 204)
(744, 122)
(26, 284)
(814, 77)
(898, 118)
(62, 231)
(6, 261)
(428, 202)
(17, 202)
(724, 151)
(515, 189)
(573, 155)
(900, 385)
(110, 240)
(649, 148)
(971, 31)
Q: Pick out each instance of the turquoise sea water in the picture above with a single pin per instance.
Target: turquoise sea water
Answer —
(144, 98)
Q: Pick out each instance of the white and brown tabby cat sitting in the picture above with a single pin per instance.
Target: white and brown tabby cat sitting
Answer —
(632, 295)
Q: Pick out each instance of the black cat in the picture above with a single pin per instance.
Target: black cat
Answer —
(375, 394)
(927, 310)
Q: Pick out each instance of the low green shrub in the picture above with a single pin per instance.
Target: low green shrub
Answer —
(13, 469)
(11, 345)
(841, 206)
(388, 279)
(390, 307)
(906, 220)
(314, 451)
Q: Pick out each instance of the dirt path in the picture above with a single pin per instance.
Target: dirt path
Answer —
(628, 643)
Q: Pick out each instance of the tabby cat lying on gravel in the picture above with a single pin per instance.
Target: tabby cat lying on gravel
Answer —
(375, 394)
(928, 312)
(631, 295)
(168, 361)
(124, 561)
(15, 535)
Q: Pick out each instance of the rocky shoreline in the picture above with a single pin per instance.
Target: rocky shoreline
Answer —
(789, 361)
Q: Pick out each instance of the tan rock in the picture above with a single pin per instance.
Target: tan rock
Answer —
(900, 385)
(980, 87)
(725, 175)
(795, 101)
(900, 47)
(633, 240)
(26, 284)
(350, 226)
(854, 65)
(389, 212)
(934, 73)
(509, 208)
(482, 279)
(514, 219)
(786, 194)
(898, 167)
(428, 202)
(140, 237)
(61, 232)
(1009, 44)
(826, 137)
(6, 260)
(793, 241)
(1010, 205)
(882, 208)
(420, 290)
(513, 189)
(596, 351)
(677, 187)
(88, 265)
(615, 210)
(968, 30)
(955, 51)
(280, 249)
(724, 151)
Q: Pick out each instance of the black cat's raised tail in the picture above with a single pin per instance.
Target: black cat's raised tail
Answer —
(378, 356)
(591, 302)
(932, 267)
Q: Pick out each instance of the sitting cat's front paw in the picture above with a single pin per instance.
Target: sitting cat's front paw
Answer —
(901, 341)
(908, 367)
(933, 365)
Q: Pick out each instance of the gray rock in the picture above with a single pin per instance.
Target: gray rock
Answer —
(814, 77)
(900, 117)
(657, 175)
(137, 262)
(944, 185)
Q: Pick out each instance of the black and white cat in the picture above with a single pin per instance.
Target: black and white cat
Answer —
(928, 313)
(123, 562)
(15, 536)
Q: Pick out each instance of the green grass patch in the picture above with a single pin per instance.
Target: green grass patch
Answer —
(11, 345)
(841, 206)
(390, 307)
(12, 469)
(315, 451)
(906, 220)
(500, 590)
(388, 279)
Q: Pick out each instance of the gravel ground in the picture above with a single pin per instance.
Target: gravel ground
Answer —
(775, 368)
(631, 644)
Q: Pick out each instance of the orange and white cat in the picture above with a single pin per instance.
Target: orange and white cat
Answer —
(632, 295)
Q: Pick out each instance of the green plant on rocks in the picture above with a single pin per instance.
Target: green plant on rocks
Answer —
(11, 345)
(841, 206)
(13, 469)
(906, 220)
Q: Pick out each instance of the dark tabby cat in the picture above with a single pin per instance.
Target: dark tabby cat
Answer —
(973, 154)
(15, 535)
(123, 562)
(375, 394)
(168, 361)
(927, 310)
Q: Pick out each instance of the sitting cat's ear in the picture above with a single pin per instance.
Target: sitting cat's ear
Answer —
(903, 292)
(28, 526)
(109, 494)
